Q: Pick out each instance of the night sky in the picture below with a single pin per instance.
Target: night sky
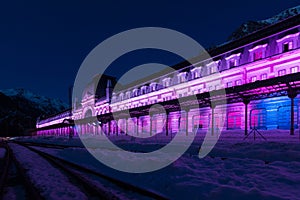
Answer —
(43, 43)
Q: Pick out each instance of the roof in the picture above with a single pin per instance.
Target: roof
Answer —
(255, 36)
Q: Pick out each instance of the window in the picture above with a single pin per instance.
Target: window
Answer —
(196, 72)
(233, 60)
(135, 92)
(238, 82)
(182, 77)
(153, 87)
(258, 52)
(166, 82)
(121, 97)
(127, 95)
(263, 76)
(144, 90)
(213, 69)
(281, 72)
(232, 63)
(294, 69)
(253, 79)
(287, 46)
(257, 55)
(229, 84)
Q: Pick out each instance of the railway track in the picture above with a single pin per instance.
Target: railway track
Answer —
(94, 184)
(13, 176)
(54, 146)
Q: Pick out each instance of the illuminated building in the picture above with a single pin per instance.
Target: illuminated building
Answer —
(260, 74)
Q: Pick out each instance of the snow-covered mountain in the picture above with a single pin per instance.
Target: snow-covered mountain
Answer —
(20, 108)
(47, 105)
(252, 26)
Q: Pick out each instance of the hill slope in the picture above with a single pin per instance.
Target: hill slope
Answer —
(20, 108)
(252, 26)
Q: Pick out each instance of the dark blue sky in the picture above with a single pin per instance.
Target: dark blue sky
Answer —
(43, 43)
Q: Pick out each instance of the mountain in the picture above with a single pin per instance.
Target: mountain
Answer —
(252, 26)
(20, 108)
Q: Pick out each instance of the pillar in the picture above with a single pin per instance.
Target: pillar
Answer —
(109, 128)
(126, 126)
(167, 123)
(292, 94)
(137, 125)
(212, 106)
(117, 127)
(150, 118)
(246, 101)
(186, 122)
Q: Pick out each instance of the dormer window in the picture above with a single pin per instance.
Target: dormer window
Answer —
(257, 55)
(287, 43)
(152, 87)
(233, 60)
(196, 72)
(166, 82)
(287, 46)
(127, 95)
(121, 97)
(182, 77)
(135, 92)
(213, 67)
(232, 63)
(144, 90)
(258, 52)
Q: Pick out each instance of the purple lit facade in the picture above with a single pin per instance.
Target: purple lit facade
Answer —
(268, 54)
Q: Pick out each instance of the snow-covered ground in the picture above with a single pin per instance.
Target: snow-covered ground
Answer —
(236, 168)
(50, 181)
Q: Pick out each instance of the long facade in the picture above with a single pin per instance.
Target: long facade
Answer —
(268, 54)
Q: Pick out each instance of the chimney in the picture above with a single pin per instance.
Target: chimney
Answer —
(108, 90)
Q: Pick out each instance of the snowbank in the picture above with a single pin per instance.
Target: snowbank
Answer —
(52, 184)
(234, 169)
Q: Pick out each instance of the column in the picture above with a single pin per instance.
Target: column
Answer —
(137, 125)
(167, 123)
(101, 128)
(150, 118)
(246, 101)
(292, 95)
(212, 106)
(109, 127)
(126, 126)
(186, 122)
(117, 127)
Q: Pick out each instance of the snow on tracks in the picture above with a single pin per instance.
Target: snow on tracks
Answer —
(51, 182)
